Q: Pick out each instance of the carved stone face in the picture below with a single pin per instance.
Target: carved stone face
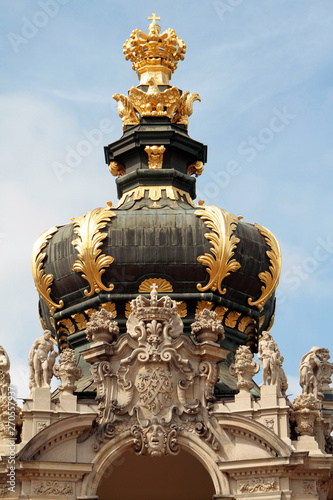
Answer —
(155, 439)
(47, 334)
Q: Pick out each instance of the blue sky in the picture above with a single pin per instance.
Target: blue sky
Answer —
(263, 69)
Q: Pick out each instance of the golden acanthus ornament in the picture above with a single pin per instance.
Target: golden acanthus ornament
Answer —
(43, 282)
(269, 278)
(91, 263)
(223, 241)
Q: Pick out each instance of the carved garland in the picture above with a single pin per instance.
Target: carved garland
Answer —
(90, 261)
(220, 264)
(269, 278)
(43, 282)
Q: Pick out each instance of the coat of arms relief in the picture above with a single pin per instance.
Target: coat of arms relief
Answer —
(154, 383)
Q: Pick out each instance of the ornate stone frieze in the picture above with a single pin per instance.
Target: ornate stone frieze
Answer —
(258, 485)
(309, 487)
(154, 383)
(61, 488)
(244, 368)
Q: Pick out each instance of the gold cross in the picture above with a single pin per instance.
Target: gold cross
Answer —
(154, 18)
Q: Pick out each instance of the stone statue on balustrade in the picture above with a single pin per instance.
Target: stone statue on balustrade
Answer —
(244, 368)
(10, 413)
(271, 362)
(314, 371)
(41, 361)
(4, 372)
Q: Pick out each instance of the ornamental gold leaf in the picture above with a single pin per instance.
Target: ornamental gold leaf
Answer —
(66, 325)
(244, 323)
(163, 286)
(43, 282)
(80, 320)
(91, 262)
(220, 264)
(128, 309)
(269, 278)
(182, 309)
(232, 318)
(203, 304)
(221, 312)
(110, 307)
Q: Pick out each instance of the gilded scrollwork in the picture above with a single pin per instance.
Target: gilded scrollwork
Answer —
(43, 282)
(116, 169)
(91, 263)
(220, 262)
(270, 279)
(195, 168)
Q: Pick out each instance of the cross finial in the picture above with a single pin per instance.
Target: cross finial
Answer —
(154, 18)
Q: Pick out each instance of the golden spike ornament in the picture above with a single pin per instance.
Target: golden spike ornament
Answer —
(220, 264)
(43, 282)
(91, 263)
(269, 278)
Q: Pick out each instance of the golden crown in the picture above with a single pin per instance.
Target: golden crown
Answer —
(154, 53)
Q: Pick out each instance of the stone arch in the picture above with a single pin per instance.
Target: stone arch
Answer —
(112, 451)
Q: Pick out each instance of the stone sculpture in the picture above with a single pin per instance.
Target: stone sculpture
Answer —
(155, 384)
(67, 371)
(101, 327)
(313, 371)
(4, 372)
(244, 368)
(41, 361)
(271, 362)
(10, 413)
